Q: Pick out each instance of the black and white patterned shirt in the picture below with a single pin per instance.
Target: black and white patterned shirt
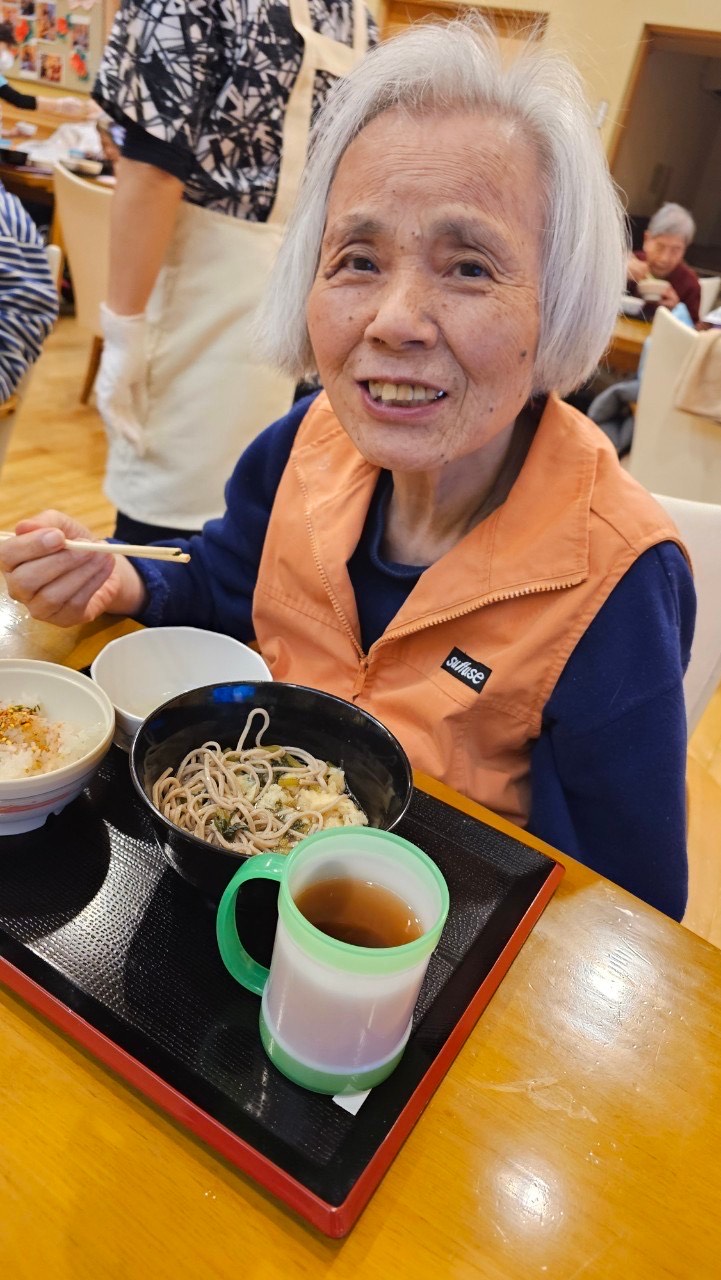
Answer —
(211, 80)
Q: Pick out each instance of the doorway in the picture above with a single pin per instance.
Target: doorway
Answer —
(668, 143)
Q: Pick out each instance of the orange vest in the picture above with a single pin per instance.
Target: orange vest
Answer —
(464, 670)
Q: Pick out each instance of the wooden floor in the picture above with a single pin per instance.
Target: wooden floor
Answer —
(56, 459)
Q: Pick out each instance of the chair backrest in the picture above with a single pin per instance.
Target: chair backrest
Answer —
(673, 452)
(699, 524)
(55, 260)
(709, 293)
(84, 213)
(7, 422)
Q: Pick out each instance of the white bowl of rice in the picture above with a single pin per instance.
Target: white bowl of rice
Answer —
(56, 725)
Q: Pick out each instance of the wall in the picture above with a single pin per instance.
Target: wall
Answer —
(602, 37)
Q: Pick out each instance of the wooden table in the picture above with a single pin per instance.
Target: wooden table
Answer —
(577, 1134)
(23, 181)
(626, 345)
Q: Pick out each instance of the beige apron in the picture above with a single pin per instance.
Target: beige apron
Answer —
(208, 396)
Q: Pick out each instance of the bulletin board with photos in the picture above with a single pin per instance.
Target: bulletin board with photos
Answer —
(58, 42)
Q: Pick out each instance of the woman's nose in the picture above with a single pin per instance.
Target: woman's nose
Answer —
(403, 315)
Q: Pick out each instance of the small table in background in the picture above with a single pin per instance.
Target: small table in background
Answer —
(36, 186)
(624, 351)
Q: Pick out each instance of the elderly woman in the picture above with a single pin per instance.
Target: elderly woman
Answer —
(436, 536)
(665, 241)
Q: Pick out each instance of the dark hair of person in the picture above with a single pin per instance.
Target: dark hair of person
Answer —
(7, 33)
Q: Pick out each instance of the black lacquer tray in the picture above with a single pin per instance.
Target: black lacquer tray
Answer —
(100, 935)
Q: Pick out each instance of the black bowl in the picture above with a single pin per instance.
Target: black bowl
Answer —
(377, 770)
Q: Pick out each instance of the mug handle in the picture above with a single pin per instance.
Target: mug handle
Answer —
(246, 970)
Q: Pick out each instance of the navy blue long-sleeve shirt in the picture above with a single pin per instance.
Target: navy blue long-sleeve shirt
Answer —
(608, 770)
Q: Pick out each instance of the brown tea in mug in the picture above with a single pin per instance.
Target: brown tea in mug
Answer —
(359, 912)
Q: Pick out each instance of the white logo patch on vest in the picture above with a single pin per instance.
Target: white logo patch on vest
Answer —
(466, 669)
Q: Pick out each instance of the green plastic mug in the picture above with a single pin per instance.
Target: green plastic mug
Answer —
(335, 1017)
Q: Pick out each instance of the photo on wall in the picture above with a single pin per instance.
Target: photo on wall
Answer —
(10, 13)
(80, 36)
(27, 61)
(51, 68)
(47, 21)
(27, 8)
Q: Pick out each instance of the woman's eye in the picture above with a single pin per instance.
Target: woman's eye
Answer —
(472, 270)
(357, 262)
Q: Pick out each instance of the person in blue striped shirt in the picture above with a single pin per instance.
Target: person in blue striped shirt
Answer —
(28, 296)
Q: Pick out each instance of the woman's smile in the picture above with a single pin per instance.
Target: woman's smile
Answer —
(400, 402)
(405, 393)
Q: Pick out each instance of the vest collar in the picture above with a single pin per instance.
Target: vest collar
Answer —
(537, 540)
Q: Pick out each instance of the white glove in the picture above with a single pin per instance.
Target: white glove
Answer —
(76, 107)
(121, 387)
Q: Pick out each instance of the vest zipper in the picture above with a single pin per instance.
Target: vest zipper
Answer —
(363, 663)
(412, 628)
(360, 677)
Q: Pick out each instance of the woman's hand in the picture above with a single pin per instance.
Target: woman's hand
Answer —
(66, 587)
(669, 297)
(636, 269)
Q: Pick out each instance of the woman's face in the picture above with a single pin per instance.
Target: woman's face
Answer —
(424, 313)
(663, 253)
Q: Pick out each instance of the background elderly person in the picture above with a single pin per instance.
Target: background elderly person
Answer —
(665, 241)
(435, 536)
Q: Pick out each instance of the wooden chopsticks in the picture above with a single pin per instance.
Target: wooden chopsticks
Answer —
(119, 549)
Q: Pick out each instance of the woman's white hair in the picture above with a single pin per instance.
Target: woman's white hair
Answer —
(672, 220)
(458, 67)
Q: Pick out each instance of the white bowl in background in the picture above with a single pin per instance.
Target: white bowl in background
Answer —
(142, 670)
(631, 306)
(651, 289)
(64, 695)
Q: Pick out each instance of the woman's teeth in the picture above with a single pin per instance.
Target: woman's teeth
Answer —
(403, 391)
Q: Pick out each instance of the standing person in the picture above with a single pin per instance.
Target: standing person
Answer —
(216, 97)
(665, 241)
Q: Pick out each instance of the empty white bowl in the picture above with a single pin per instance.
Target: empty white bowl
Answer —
(66, 696)
(141, 671)
(631, 306)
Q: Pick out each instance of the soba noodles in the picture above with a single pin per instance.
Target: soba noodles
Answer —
(255, 799)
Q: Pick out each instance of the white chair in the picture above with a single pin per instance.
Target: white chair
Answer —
(673, 452)
(709, 293)
(55, 259)
(83, 210)
(699, 524)
(10, 411)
